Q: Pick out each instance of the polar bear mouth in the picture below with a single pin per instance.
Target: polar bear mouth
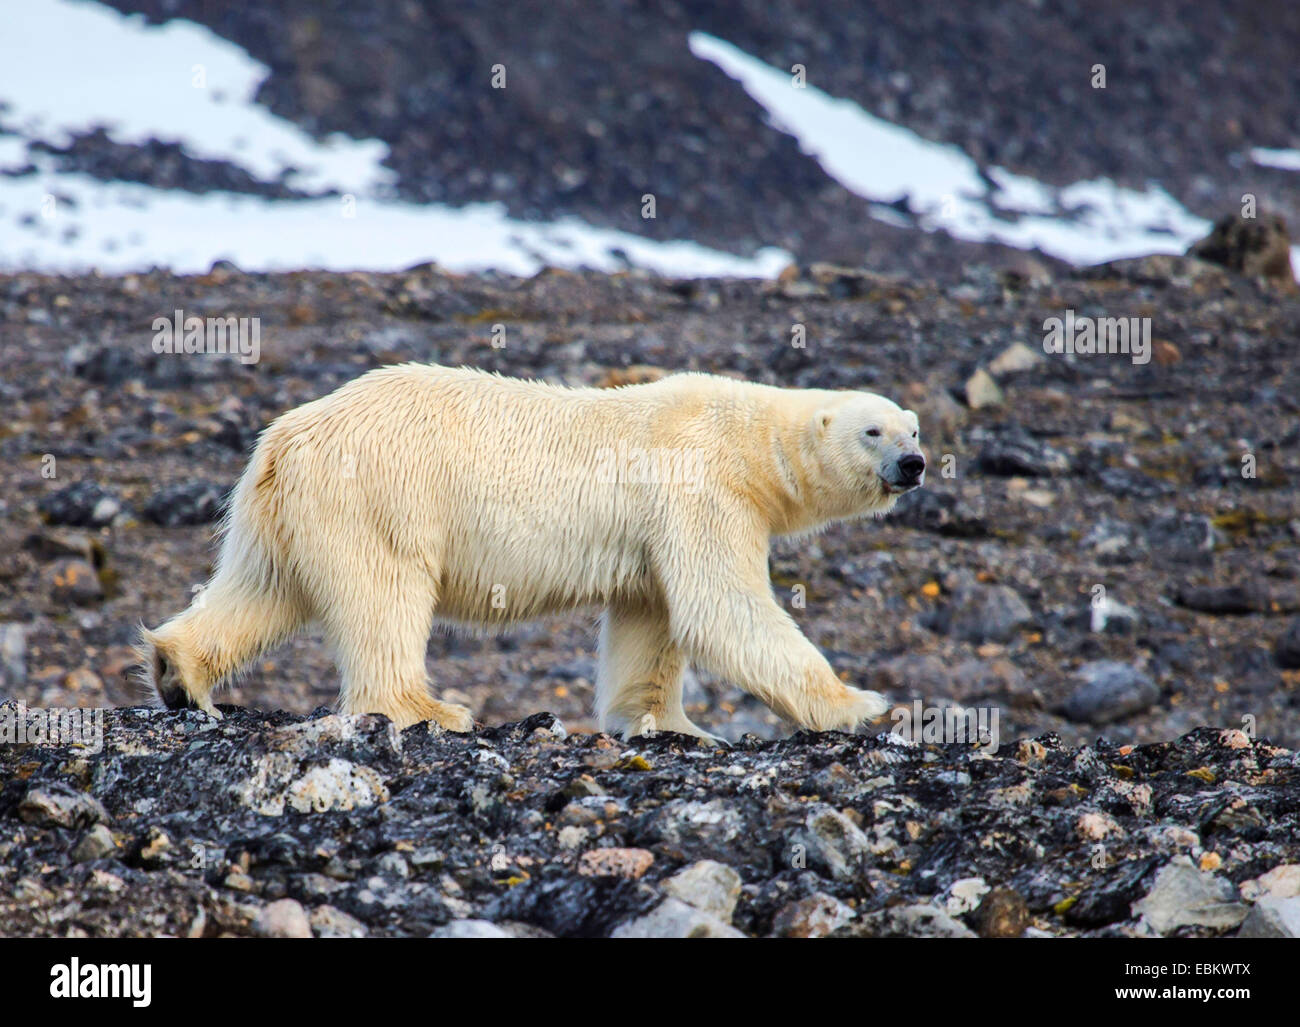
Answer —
(892, 488)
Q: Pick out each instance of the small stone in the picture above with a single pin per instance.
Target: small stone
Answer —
(989, 613)
(673, 918)
(982, 391)
(284, 918)
(628, 864)
(194, 502)
(470, 929)
(84, 504)
(836, 846)
(582, 786)
(58, 805)
(155, 846)
(1287, 650)
(965, 895)
(394, 864)
(329, 922)
(1016, 454)
(1110, 691)
(1016, 357)
(913, 921)
(1093, 826)
(1112, 617)
(238, 880)
(1223, 599)
(571, 836)
(1282, 882)
(1259, 245)
(13, 654)
(1272, 917)
(1002, 914)
(74, 582)
(1182, 896)
(97, 843)
(814, 917)
(707, 885)
(942, 513)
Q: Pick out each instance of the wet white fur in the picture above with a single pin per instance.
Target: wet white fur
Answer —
(419, 493)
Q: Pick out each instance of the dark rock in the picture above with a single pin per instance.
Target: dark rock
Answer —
(75, 583)
(942, 513)
(1287, 650)
(194, 502)
(1251, 246)
(1110, 900)
(1017, 454)
(989, 613)
(84, 504)
(1222, 599)
(1123, 481)
(1001, 914)
(1110, 691)
(1182, 538)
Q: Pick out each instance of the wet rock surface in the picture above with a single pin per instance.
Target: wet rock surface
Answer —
(331, 826)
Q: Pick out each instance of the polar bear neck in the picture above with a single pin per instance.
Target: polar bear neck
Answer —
(782, 469)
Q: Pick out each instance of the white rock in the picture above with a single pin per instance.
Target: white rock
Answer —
(814, 917)
(336, 785)
(673, 918)
(1016, 357)
(1272, 917)
(284, 918)
(1184, 896)
(470, 929)
(1282, 881)
(982, 391)
(965, 895)
(708, 886)
(329, 922)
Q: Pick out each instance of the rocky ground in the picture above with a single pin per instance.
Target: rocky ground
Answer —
(340, 826)
(1087, 556)
(1103, 549)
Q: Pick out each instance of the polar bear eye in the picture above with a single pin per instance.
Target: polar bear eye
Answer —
(871, 433)
(914, 434)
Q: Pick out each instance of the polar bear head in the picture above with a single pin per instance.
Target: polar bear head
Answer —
(869, 454)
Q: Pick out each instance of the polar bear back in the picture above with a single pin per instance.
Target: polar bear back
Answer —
(516, 498)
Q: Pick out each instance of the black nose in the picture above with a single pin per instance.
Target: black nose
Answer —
(911, 466)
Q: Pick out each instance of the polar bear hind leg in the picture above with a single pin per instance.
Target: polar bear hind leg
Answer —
(379, 625)
(230, 622)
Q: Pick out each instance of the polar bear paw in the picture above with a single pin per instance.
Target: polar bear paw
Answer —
(844, 710)
(864, 706)
(448, 716)
(452, 717)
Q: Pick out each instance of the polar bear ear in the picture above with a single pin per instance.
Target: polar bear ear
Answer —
(822, 421)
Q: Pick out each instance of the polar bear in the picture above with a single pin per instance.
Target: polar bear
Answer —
(416, 494)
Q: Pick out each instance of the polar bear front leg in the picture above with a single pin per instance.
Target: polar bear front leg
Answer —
(639, 678)
(725, 618)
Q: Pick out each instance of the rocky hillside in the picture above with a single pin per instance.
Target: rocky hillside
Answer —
(606, 102)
